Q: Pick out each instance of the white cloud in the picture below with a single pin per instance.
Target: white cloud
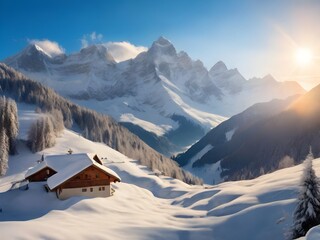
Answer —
(92, 38)
(122, 51)
(84, 43)
(50, 47)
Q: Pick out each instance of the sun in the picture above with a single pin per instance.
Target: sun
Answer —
(304, 56)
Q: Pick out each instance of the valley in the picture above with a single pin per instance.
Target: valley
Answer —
(179, 210)
(159, 120)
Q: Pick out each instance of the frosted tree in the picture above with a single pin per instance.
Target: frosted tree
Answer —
(4, 152)
(57, 120)
(307, 212)
(9, 127)
(49, 136)
(34, 140)
(9, 121)
(12, 124)
(42, 133)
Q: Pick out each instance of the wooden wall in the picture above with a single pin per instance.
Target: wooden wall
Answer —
(42, 175)
(91, 176)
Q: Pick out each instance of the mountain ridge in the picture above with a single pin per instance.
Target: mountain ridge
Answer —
(156, 85)
(94, 126)
(280, 137)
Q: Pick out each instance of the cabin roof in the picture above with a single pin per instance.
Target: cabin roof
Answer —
(58, 162)
(67, 166)
(36, 168)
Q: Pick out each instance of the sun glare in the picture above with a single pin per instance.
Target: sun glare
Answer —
(304, 56)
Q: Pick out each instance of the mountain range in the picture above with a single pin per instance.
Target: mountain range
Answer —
(160, 95)
(86, 122)
(262, 139)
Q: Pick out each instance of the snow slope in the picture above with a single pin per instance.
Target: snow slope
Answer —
(144, 205)
(232, 144)
(313, 234)
(210, 173)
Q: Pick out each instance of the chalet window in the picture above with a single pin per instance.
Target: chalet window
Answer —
(103, 188)
(99, 188)
(84, 189)
(78, 177)
(86, 175)
(91, 189)
(97, 175)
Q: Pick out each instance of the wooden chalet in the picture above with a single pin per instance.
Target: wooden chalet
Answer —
(74, 174)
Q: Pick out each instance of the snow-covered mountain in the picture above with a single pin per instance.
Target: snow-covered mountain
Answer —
(159, 91)
(92, 125)
(245, 210)
(206, 157)
(263, 138)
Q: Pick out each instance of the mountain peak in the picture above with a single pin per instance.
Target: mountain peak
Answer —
(269, 78)
(162, 46)
(38, 48)
(218, 68)
(184, 58)
(97, 50)
(162, 41)
(34, 49)
(31, 58)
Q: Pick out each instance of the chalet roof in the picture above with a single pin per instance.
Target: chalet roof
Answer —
(67, 166)
(36, 169)
(58, 162)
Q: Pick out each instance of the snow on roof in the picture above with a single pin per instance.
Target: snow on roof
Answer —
(58, 162)
(35, 169)
(67, 166)
(67, 173)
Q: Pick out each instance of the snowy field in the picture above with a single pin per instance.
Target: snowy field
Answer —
(144, 205)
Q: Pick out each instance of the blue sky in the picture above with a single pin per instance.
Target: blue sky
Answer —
(253, 36)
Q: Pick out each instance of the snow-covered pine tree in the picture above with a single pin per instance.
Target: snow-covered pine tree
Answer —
(42, 133)
(49, 134)
(307, 212)
(9, 121)
(9, 127)
(34, 136)
(12, 124)
(4, 145)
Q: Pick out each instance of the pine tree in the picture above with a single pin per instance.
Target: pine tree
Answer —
(48, 134)
(9, 127)
(42, 133)
(4, 152)
(12, 125)
(9, 121)
(307, 212)
(34, 138)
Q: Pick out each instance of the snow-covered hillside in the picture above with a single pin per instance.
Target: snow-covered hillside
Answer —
(151, 88)
(144, 205)
(209, 157)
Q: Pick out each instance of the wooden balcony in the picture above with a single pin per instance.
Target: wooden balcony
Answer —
(86, 183)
